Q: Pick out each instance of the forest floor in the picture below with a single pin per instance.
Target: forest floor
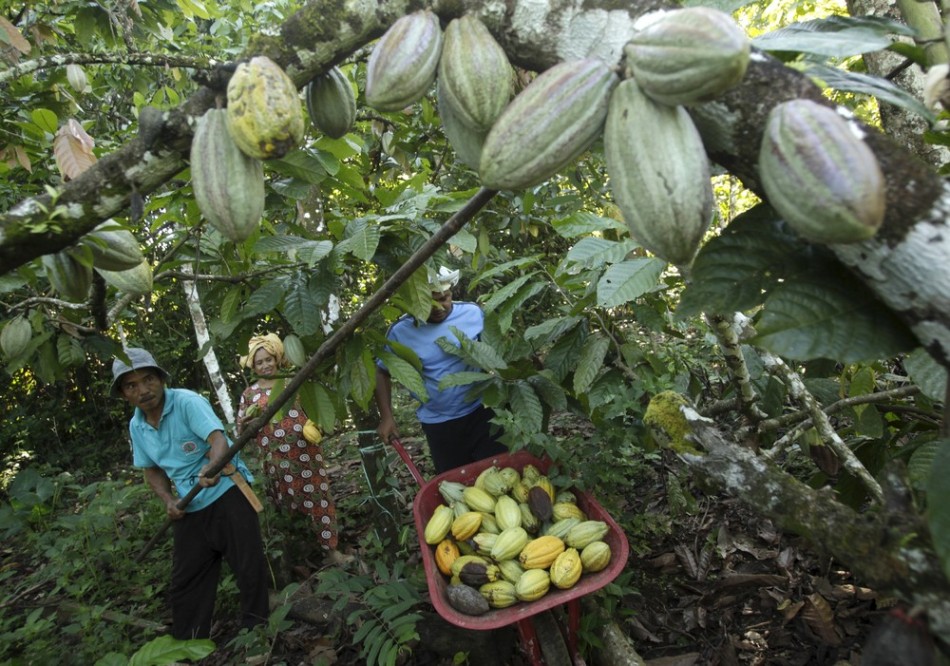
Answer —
(712, 583)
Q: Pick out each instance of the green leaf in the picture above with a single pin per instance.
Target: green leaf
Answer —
(464, 379)
(938, 503)
(921, 462)
(46, 120)
(930, 376)
(318, 405)
(596, 253)
(503, 294)
(834, 36)
(300, 165)
(875, 86)
(513, 306)
(551, 329)
(415, 295)
(583, 223)
(475, 352)
(590, 362)
(362, 239)
(362, 378)
(300, 307)
(405, 374)
(550, 392)
(628, 280)
(525, 403)
(265, 298)
(819, 317)
(165, 650)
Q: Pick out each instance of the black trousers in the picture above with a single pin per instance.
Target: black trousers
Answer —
(226, 530)
(463, 440)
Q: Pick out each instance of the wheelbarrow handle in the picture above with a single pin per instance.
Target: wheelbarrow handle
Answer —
(406, 458)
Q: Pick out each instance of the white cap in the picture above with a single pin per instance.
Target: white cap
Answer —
(443, 280)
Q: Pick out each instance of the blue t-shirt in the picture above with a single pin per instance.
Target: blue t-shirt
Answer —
(450, 403)
(180, 444)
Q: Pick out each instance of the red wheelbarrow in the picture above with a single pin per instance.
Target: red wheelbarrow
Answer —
(521, 614)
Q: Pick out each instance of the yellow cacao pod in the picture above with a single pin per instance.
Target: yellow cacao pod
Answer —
(595, 556)
(544, 483)
(446, 552)
(519, 491)
(562, 510)
(566, 569)
(439, 525)
(265, 117)
(499, 593)
(312, 433)
(507, 513)
(539, 553)
(533, 585)
(465, 526)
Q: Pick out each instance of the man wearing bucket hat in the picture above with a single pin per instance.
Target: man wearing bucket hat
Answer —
(457, 428)
(176, 438)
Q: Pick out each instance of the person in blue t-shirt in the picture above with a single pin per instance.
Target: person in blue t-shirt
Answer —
(176, 438)
(458, 429)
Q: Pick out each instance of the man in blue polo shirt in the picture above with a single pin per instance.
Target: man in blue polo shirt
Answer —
(457, 429)
(176, 438)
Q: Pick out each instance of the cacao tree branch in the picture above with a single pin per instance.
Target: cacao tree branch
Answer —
(801, 417)
(125, 59)
(727, 333)
(885, 547)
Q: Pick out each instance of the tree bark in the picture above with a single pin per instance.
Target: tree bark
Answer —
(886, 547)
(907, 264)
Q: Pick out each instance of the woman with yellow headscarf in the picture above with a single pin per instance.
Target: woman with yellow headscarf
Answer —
(297, 478)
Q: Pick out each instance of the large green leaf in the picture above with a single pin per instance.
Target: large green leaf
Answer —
(318, 405)
(590, 362)
(628, 280)
(300, 165)
(403, 372)
(165, 650)
(834, 36)
(820, 317)
(300, 307)
(415, 295)
(551, 329)
(930, 376)
(938, 504)
(464, 379)
(876, 86)
(503, 294)
(596, 253)
(583, 223)
(362, 239)
(525, 403)
(473, 352)
(265, 298)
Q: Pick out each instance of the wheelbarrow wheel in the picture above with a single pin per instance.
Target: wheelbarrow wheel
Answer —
(551, 640)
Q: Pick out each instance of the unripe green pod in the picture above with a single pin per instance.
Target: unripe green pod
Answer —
(820, 175)
(331, 103)
(403, 64)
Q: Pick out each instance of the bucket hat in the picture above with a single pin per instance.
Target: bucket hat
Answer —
(139, 359)
(444, 280)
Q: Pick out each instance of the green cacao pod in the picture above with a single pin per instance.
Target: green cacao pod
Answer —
(264, 113)
(586, 532)
(113, 248)
(820, 175)
(499, 593)
(689, 55)
(438, 525)
(294, 351)
(331, 103)
(135, 281)
(659, 174)
(548, 124)
(403, 64)
(507, 513)
(595, 556)
(509, 543)
(15, 337)
(511, 570)
(478, 499)
(70, 277)
(475, 76)
(451, 491)
(533, 585)
(228, 184)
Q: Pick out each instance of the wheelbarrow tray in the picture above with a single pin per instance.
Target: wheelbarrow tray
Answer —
(428, 498)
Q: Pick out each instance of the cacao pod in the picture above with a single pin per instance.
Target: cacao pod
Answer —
(484, 542)
(659, 174)
(820, 175)
(530, 474)
(539, 553)
(451, 491)
(76, 76)
(438, 526)
(460, 507)
(519, 491)
(478, 499)
(113, 248)
(507, 513)
(533, 585)
(586, 532)
(445, 554)
(462, 560)
(566, 569)
(331, 103)
(466, 599)
(510, 475)
(466, 526)
(264, 113)
(689, 55)
(540, 503)
(476, 573)
(595, 556)
(228, 185)
(311, 432)
(70, 277)
(294, 351)
(528, 520)
(135, 281)
(561, 527)
(489, 524)
(492, 482)
(548, 124)
(511, 570)
(545, 484)
(562, 510)
(499, 593)
(403, 64)
(509, 544)
(15, 337)
(475, 77)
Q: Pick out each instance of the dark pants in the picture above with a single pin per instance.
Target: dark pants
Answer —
(463, 440)
(229, 530)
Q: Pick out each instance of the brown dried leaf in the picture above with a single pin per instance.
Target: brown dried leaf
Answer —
(820, 618)
(688, 560)
(14, 37)
(22, 158)
(72, 147)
